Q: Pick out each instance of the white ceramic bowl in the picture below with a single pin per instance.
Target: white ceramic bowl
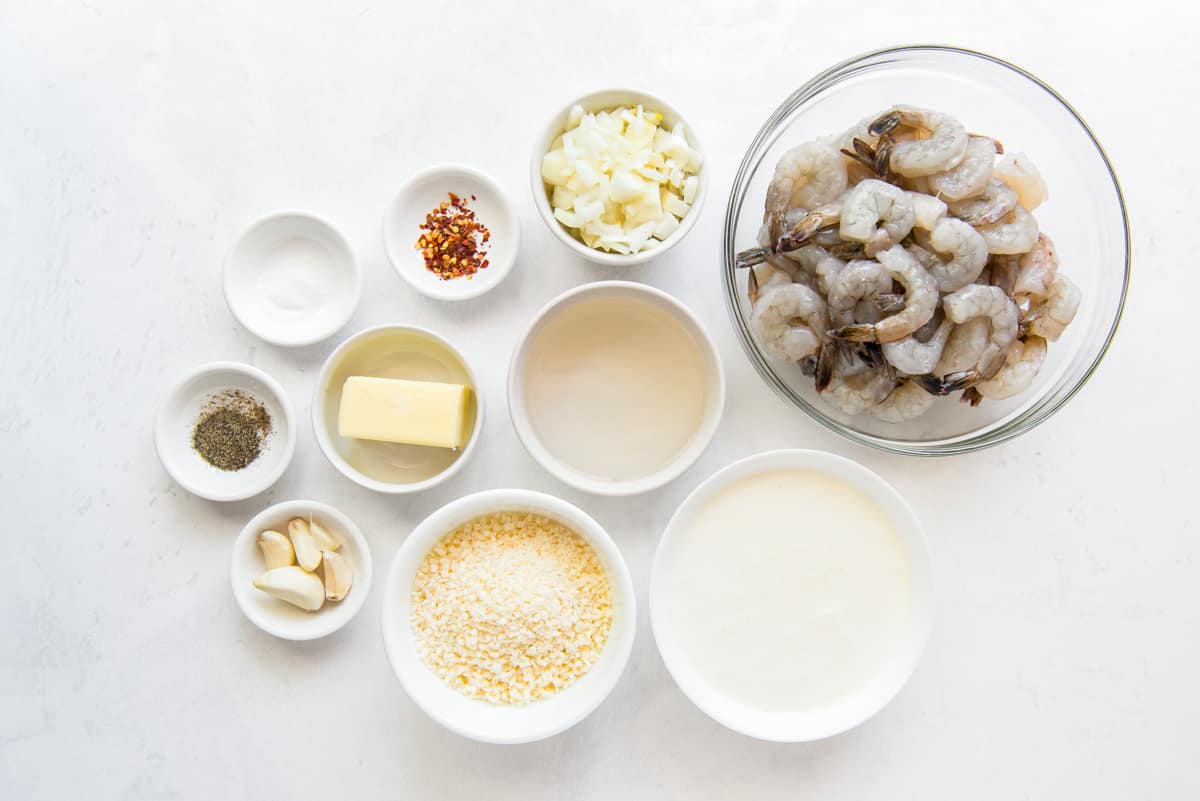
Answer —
(424, 192)
(291, 278)
(837, 718)
(177, 418)
(481, 720)
(279, 617)
(519, 412)
(392, 351)
(600, 101)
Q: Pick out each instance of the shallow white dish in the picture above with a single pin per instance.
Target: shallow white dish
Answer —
(568, 474)
(291, 278)
(279, 617)
(177, 418)
(602, 100)
(392, 351)
(837, 718)
(480, 720)
(425, 191)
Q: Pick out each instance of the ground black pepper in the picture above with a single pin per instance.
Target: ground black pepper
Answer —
(232, 428)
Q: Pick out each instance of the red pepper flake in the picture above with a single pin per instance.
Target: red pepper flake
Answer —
(453, 242)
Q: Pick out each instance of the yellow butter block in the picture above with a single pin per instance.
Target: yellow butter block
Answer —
(412, 412)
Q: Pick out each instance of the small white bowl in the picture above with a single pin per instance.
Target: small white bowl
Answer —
(567, 473)
(600, 101)
(392, 351)
(837, 718)
(424, 192)
(177, 416)
(291, 278)
(480, 720)
(279, 617)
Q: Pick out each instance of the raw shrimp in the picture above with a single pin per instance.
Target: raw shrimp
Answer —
(963, 348)
(911, 356)
(905, 402)
(1037, 270)
(790, 321)
(1021, 366)
(1003, 272)
(921, 297)
(856, 392)
(1019, 173)
(997, 202)
(818, 264)
(972, 174)
(872, 202)
(988, 303)
(808, 175)
(1051, 317)
(856, 281)
(942, 150)
(966, 249)
(1015, 233)
(927, 210)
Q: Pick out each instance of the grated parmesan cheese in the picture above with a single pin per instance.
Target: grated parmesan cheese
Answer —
(511, 607)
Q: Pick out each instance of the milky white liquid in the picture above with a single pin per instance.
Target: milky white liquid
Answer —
(615, 387)
(788, 591)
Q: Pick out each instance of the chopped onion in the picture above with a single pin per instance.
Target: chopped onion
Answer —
(620, 180)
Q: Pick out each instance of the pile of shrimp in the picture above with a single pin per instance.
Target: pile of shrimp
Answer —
(899, 262)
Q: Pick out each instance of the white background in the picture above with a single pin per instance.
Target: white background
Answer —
(136, 138)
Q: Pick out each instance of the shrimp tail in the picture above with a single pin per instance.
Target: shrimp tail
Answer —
(971, 395)
(804, 230)
(823, 370)
(808, 366)
(930, 383)
(856, 332)
(956, 381)
(750, 257)
(884, 124)
(889, 303)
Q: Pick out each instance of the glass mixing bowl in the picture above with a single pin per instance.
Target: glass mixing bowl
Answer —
(1084, 215)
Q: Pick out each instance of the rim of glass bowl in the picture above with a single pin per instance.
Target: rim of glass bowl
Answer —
(766, 137)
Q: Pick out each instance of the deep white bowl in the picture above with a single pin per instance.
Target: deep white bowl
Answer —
(568, 474)
(480, 720)
(392, 351)
(262, 278)
(279, 617)
(177, 418)
(424, 192)
(602, 100)
(837, 718)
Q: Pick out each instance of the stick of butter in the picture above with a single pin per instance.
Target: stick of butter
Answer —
(412, 412)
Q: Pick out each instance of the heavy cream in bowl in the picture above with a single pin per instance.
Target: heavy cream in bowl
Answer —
(791, 595)
(615, 388)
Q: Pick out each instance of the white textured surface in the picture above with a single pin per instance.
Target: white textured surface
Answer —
(136, 138)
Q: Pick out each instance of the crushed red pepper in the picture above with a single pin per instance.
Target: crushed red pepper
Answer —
(453, 242)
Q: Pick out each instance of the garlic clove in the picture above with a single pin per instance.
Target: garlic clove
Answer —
(326, 540)
(276, 550)
(294, 585)
(308, 555)
(339, 575)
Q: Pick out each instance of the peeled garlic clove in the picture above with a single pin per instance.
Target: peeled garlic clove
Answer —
(339, 575)
(326, 540)
(308, 555)
(276, 550)
(294, 585)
